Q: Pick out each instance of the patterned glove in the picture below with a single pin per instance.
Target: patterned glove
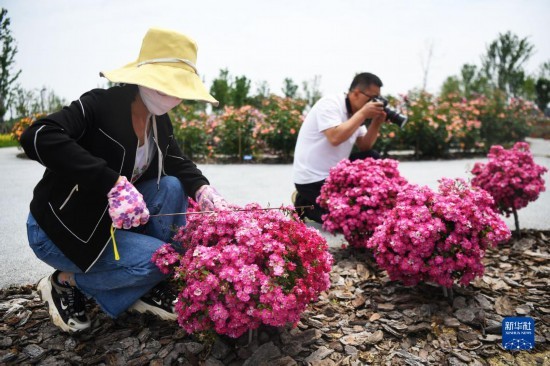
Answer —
(126, 205)
(209, 199)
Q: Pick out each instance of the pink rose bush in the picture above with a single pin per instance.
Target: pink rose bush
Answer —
(244, 268)
(511, 177)
(358, 195)
(438, 236)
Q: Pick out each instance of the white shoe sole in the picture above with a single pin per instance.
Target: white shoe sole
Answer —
(45, 290)
(142, 307)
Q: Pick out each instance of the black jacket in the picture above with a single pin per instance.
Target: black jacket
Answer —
(85, 147)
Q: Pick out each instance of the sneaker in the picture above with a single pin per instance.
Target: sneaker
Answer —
(66, 304)
(160, 301)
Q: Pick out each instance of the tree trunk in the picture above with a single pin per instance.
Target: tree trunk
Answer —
(516, 221)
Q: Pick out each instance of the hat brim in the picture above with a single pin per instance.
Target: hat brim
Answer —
(174, 81)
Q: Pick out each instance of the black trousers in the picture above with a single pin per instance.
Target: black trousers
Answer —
(308, 193)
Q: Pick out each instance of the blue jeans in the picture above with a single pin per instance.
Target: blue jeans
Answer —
(116, 285)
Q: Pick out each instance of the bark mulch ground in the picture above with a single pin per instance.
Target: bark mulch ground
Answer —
(364, 319)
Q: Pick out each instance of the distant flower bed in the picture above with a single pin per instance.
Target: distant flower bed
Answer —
(439, 127)
(21, 125)
(7, 140)
(443, 127)
(238, 134)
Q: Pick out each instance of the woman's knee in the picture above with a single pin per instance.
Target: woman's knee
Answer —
(172, 184)
(146, 271)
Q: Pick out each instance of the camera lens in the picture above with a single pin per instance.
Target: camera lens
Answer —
(395, 117)
(392, 115)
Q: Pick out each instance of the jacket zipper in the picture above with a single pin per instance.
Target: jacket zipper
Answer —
(75, 188)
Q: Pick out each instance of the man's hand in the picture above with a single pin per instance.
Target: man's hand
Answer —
(373, 110)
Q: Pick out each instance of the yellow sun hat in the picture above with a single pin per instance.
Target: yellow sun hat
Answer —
(167, 63)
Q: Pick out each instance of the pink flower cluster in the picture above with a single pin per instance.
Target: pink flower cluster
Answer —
(510, 176)
(244, 268)
(438, 236)
(358, 195)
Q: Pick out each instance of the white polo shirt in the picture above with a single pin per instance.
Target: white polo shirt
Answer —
(314, 154)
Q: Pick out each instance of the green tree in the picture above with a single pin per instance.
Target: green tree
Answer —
(503, 63)
(469, 82)
(545, 70)
(28, 102)
(469, 76)
(451, 86)
(230, 91)
(239, 91)
(220, 88)
(542, 87)
(311, 90)
(262, 89)
(290, 89)
(8, 75)
(261, 94)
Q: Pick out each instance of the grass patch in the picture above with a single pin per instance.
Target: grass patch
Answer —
(7, 141)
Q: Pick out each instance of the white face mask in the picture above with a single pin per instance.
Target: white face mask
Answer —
(157, 103)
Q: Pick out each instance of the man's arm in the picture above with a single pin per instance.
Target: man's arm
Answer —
(338, 134)
(367, 141)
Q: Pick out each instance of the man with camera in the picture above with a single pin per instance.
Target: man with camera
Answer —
(330, 130)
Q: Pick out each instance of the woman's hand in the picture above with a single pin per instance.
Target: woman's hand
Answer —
(126, 205)
(209, 199)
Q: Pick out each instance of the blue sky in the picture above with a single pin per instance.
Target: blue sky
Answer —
(63, 44)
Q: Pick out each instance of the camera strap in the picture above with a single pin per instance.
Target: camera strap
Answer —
(348, 107)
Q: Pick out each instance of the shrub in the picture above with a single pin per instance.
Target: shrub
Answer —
(21, 125)
(237, 131)
(283, 119)
(512, 177)
(358, 195)
(426, 131)
(245, 268)
(439, 237)
(504, 122)
(7, 140)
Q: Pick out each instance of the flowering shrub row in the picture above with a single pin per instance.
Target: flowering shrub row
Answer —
(416, 234)
(238, 132)
(438, 125)
(244, 268)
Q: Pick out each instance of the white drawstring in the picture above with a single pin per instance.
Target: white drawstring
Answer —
(160, 158)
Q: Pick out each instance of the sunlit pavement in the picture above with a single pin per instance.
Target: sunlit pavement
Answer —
(269, 185)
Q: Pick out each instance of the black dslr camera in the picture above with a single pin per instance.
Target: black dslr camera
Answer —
(392, 115)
